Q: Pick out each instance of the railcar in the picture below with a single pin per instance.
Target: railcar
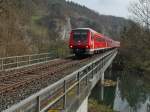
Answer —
(88, 41)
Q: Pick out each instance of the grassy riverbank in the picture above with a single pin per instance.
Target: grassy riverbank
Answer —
(94, 106)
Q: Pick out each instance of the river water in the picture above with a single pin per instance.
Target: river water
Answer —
(130, 94)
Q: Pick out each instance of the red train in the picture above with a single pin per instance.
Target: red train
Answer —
(88, 41)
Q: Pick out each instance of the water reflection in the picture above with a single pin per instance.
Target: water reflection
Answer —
(104, 95)
(129, 95)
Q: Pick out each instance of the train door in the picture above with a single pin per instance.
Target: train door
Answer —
(92, 40)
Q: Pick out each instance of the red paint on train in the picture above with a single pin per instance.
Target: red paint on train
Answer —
(88, 41)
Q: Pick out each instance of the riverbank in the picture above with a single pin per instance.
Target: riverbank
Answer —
(94, 106)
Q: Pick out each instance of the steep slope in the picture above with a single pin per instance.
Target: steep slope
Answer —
(34, 26)
(84, 17)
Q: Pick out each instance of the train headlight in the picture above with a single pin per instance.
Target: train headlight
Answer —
(87, 46)
(71, 46)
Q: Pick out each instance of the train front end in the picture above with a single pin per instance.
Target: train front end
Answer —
(79, 43)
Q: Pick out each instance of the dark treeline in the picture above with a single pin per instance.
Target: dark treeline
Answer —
(135, 39)
(135, 48)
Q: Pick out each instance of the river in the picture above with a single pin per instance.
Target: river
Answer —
(130, 94)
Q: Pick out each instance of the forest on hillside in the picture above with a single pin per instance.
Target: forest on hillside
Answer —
(36, 26)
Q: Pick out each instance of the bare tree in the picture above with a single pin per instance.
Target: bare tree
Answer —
(141, 12)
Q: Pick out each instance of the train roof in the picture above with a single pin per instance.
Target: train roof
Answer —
(82, 29)
(94, 32)
(85, 29)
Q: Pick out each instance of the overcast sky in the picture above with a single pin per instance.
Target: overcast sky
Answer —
(107, 7)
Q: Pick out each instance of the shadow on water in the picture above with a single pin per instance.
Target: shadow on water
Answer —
(129, 95)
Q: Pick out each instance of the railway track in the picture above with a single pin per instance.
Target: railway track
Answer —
(14, 80)
(29, 70)
(33, 79)
(32, 75)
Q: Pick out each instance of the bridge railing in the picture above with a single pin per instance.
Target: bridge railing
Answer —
(14, 62)
(61, 93)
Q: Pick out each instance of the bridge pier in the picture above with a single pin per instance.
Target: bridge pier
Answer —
(102, 87)
(102, 78)
(102, 93)
(84, 106)
(109, 71)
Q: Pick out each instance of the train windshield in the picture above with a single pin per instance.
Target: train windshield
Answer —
(80, 35)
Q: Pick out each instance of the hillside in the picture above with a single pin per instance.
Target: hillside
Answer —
(84, 17)
(34, 26)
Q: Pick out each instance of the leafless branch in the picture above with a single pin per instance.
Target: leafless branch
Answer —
(141, 11)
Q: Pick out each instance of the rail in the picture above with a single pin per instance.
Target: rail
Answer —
(59, 93)
(9, 63)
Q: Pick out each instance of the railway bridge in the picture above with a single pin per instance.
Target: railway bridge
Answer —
(70, 93)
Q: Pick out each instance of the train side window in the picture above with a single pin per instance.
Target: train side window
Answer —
(99, 39)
